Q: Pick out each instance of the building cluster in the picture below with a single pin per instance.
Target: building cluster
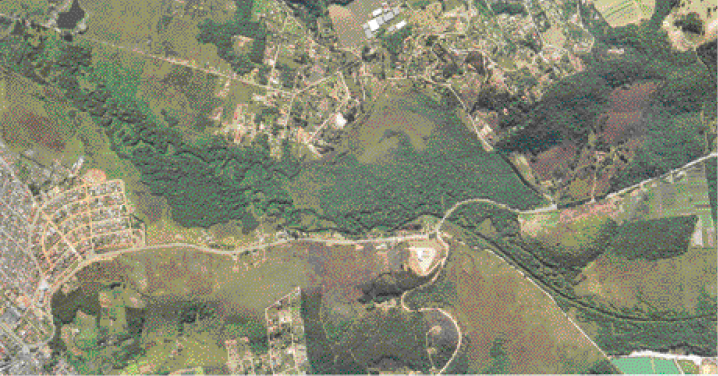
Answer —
(381, 16)
(242, 360)
(22, 323)
(75, 224)
(42, 239)
(285, 328)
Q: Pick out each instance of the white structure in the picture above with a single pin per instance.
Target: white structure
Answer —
(400, 25)
(340, 120)
(424, 257)
(373, 25)
(376, 12)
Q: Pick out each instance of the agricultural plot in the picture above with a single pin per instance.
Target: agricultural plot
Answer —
(649, 366)
(679, 194)
(635, 250)
(622, 12)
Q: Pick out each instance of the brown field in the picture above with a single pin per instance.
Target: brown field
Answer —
(41, 129)
(347, 26)
(555, 158)
(509, 325)
(625, 111)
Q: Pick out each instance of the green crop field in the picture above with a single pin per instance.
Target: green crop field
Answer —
(623, 12)
(651, 366)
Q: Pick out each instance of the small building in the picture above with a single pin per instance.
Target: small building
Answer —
(374, 25)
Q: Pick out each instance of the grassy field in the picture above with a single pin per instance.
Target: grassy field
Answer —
(527, 333)
(32, 118)
(170, 280)
(155, 26)
(651, 285)
(688, 367)
(569, 243)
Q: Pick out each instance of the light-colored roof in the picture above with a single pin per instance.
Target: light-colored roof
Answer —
(340, 120)
(367, 33)
(376, 12)
(400, 24)
(373, 25)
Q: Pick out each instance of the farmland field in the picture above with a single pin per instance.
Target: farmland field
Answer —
(623, 12)
(649, 366)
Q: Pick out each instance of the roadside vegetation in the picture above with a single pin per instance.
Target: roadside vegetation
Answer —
(617, 328)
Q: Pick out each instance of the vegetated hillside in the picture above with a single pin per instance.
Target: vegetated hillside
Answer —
(192, 297)
(672, 132)
(308, 11)
(508, 324)
(207, 182)
(204, 181)
(411, 156)
(220, 34)
(575, 243)
(625, 305)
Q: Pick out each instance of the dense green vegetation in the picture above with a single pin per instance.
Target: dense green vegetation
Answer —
(620, 336)
(569, 110)
(389, 340)
(395, 41)
(712, 179)
(407, 182)
(241, 25)
(690, 23)
(674, 141)
(575, 244)
(309, 11)
(499, 360)
(511, 9)
(653, 239)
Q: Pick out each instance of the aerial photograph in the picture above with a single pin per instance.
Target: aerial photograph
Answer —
(271, 187)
